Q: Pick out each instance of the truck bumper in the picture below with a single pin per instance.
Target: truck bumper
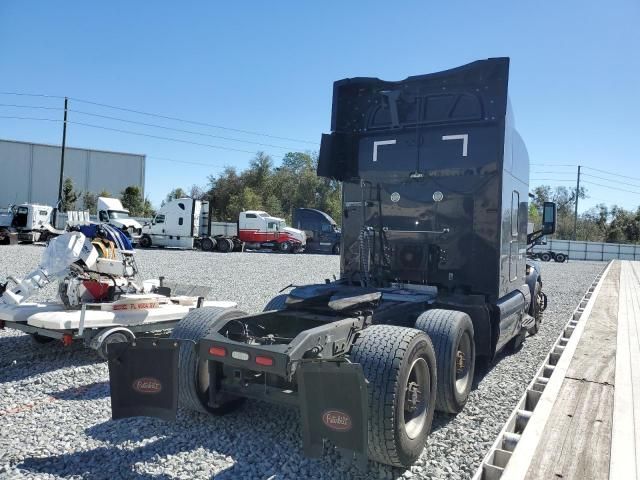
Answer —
(331, 394)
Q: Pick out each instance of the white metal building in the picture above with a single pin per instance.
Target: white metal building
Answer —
(30, 172)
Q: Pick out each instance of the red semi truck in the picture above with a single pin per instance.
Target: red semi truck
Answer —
(186, 223)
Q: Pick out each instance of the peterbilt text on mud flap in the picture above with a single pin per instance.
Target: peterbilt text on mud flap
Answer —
(433, 276)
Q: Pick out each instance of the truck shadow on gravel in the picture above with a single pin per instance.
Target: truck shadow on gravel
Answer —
(250, 443)
(245, 444)
(91, 391)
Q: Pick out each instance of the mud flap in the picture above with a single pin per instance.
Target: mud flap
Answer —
(143, 376)
(333, 406)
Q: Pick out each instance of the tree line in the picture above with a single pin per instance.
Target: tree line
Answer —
(602, 223)
(278, 190)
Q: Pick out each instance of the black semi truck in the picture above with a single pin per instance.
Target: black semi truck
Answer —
(323, 234)
(434, 277)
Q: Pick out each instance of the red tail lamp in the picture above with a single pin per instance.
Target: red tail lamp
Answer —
(218, 351)
(264, 361)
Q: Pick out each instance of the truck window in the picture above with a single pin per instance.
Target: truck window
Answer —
(181, 205)
(327, 228)
(103, 216)
(250, 215)
(515, 207)
(118, 214)
(42, 212)
(180, 221)
(159, 218)
(272, 226)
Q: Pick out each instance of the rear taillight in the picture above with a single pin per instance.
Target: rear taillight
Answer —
(217, 351)
(264, 361)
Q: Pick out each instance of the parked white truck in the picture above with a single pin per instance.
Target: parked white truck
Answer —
(27, 222)
(111, 211)
(31, 222)
(186, 223)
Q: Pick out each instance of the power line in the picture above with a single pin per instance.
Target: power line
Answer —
(129, 132)
(32, 95)
(153, 125)
(191, 132)
(193, 122)
(29, 106)
(613, 174)
(166, 117)
(552, 179)
(165, 159)
(551, 165)
(30, 118)
(611, 180)
(610, 187)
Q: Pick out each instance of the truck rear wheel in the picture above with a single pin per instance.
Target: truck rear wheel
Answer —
(145, 241)
(193, 372)
(452, 335)
(225, 245)
(400, 367)
(545, 257)
(560, 257)
(207, 244)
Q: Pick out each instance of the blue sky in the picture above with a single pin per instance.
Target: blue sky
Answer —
(268, 67)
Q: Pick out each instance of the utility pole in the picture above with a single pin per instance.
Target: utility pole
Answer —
(575, 218)
(64, 141)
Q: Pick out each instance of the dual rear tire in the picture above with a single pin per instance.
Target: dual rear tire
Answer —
(400, 367)
(208, 244)
(225, 245)
(451, 332)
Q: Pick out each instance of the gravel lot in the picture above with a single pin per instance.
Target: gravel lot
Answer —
(55, 412)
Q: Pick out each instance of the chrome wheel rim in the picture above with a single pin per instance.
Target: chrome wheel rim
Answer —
(463, 363)
(416, 399)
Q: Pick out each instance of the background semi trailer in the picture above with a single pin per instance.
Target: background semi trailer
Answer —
(542, 253)
(323, 234)
(187, 223)
(112, 212)
(433, 277)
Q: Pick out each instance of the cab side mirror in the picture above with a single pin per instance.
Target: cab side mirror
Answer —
(548, 218)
